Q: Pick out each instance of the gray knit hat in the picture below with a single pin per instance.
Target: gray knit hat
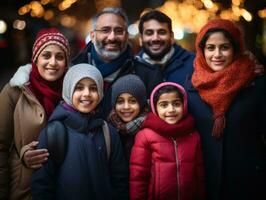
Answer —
(75, 74)
(130, 84)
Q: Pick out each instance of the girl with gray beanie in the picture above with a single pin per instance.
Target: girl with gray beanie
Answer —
(129, 102)
(87, 169)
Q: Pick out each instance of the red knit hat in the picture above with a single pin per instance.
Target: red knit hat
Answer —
(49, 36)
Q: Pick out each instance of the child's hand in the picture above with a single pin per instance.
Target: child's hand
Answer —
(34, 158)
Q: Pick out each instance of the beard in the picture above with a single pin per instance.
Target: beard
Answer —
(156, 56)
(106, 54)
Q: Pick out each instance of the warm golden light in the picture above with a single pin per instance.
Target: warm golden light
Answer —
(24, 10)
(101, 4)
(187, 15)
(49, 14)
(207, 3)
(262, 13)
(246, 15)
(36, 9)
(3, 26)
(45, 2)
(68, 21)
(66, 4)
(236, 2)
(19, 24)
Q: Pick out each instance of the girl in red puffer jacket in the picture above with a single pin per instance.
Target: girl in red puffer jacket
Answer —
(166, 159)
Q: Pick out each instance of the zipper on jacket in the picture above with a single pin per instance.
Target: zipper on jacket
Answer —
(177, 168)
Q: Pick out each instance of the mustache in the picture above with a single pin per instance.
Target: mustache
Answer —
(112, 42)
(156, 42)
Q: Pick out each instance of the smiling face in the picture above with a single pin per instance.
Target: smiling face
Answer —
(110, 36)
(127, 107)
(85, 97)
(169, 107)
(218, 51)
(156, 39)
(51, 63)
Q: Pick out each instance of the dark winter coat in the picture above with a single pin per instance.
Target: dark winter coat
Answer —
(150, 75)
(236, 163)
(86, 172)
(178, 68)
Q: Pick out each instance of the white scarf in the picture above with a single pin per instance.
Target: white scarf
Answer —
(162, 61)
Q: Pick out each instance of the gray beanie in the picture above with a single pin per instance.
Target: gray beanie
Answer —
(130, 84)
(75, 74)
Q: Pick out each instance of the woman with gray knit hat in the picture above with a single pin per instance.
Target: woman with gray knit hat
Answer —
(129, 102)
(87, 169)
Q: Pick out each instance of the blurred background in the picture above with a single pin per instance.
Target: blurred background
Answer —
(20, 20)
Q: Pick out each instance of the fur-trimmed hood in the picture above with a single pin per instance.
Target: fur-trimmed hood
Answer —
(21, 77)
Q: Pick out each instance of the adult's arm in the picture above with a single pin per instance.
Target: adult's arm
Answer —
(8, 100)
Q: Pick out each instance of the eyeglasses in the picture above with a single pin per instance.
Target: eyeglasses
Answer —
(107, 30)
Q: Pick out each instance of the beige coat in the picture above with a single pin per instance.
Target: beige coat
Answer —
(21, 119)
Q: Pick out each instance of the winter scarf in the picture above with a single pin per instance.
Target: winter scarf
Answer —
(108, 68)
(154, 122)
(183, 127)
(218, 89)
(162, 62)
(48, 93)
(130, 128)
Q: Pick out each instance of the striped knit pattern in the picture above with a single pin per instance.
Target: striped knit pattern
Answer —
(47, 37)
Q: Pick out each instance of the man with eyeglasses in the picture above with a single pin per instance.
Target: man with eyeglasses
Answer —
(111, 53)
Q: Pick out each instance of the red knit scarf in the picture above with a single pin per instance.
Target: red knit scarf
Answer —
(218, 89)
(48, 93)
(183, 127)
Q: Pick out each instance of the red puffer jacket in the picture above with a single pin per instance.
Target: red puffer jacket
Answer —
(166, 161)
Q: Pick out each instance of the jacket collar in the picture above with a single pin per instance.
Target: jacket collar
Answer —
(183, 127)
(80, 122)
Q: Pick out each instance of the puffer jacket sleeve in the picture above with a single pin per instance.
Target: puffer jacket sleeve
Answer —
(200, 173)
(8, 99)
(140, 167)
(118, 168)
(43, 182)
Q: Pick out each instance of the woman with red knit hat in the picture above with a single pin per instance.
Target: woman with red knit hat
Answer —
(25, 107)
(228, 102)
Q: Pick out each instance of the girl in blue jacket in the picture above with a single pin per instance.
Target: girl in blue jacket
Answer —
(87, 172)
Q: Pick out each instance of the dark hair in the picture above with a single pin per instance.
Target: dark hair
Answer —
(167, 89)
(156, 15)
(226, 34)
